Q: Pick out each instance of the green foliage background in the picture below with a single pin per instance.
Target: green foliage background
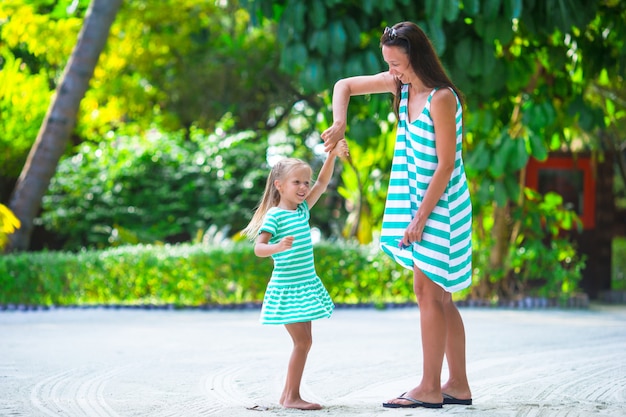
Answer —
(203, 275)
(156, 187)
(189, 275)
(619, 264)
(163, 150)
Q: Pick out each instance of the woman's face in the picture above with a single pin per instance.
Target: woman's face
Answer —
(398, 61)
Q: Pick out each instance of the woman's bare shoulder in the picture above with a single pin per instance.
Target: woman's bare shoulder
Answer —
(444, 97)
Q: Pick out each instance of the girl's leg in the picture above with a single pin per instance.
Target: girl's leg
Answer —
(430, 298)
(457, 384)
(302, 340)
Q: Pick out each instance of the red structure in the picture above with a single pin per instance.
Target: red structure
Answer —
(586, 185)
(571, 177)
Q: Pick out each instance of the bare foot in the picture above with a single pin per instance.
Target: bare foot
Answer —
(300, 404)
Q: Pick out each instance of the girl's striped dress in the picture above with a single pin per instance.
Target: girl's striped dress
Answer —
(445, 252)
(295, 293)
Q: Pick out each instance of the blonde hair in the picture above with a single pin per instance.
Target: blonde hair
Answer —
(271, 196)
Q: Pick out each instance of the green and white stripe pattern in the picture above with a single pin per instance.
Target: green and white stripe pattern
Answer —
(295, 293)
(445, 252)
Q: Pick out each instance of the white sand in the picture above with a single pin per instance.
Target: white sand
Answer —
(103, 362)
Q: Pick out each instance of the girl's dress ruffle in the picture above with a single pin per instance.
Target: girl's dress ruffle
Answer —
(285, 304)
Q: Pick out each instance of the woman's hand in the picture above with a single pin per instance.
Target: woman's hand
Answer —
(333, 135)
(414, 231)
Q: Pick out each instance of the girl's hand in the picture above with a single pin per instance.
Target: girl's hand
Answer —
(333, 135)
(263, 248)
(341, 150)
(285, 244)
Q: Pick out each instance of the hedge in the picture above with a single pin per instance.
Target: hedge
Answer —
(190, 275)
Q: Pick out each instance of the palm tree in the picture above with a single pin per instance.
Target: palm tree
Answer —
(60, 119)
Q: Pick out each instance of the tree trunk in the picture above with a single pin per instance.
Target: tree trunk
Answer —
(60, 120)
(500, 237)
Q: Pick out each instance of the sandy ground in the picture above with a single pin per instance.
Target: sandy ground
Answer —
(105, 362)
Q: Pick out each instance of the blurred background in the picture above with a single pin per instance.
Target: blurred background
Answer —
(187, 103)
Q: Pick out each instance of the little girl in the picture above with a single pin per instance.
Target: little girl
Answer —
(295, 294)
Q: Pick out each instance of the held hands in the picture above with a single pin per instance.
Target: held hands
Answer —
(341, 150)
(333, 135)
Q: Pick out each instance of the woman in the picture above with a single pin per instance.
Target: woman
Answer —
(428, 214)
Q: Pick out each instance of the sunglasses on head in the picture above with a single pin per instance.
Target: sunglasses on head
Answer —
(391, 33)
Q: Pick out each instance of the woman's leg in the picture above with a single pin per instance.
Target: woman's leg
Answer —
(457, 385)
(430, 298)
(302, 340)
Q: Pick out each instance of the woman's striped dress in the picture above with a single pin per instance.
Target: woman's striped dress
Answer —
(445, 252)
(295, 293)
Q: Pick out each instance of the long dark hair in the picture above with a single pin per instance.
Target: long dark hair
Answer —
(422, 57)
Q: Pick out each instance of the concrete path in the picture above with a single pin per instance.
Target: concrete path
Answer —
(106, 362)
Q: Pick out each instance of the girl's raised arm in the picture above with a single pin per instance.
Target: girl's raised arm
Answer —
(326, 173)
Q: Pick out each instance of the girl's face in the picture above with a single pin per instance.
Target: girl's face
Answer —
(399, 64)
(294, 188)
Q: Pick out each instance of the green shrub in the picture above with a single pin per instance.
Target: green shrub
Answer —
(190, 275)
(205, 275)
(618, 279)
(157, 187)
(542, 260)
